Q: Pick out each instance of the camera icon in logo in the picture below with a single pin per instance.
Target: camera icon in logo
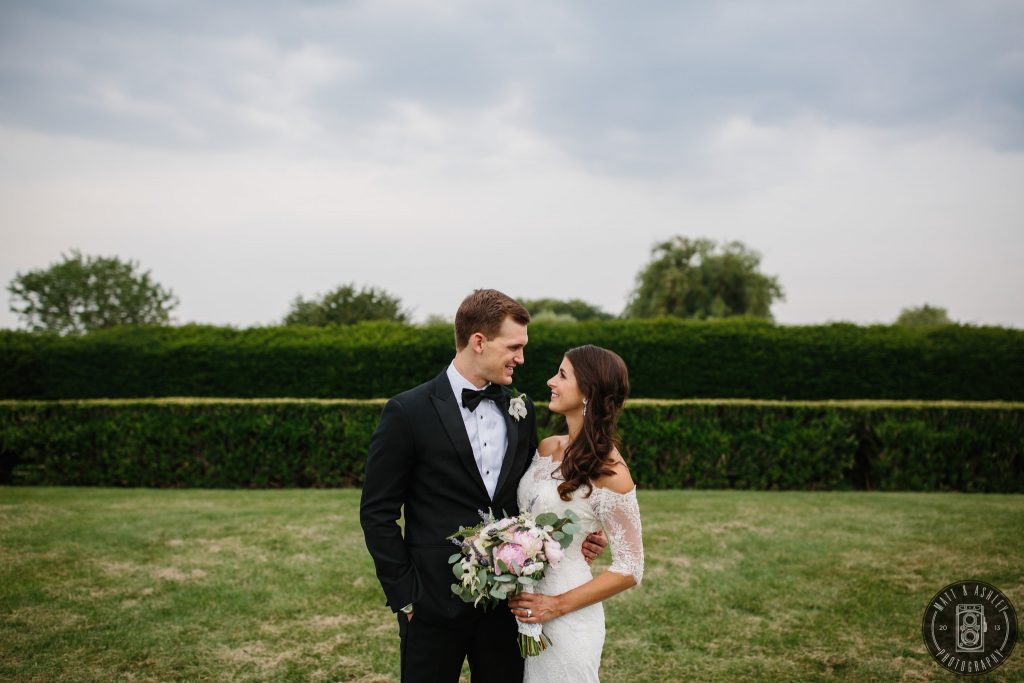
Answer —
(970, 628)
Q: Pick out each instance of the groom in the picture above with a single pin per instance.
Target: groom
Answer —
(443, 451)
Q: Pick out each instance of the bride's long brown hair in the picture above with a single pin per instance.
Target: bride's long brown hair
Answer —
(603, 379)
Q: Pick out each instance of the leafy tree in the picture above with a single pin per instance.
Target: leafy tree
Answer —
(923, 316)
(549, 316)
(345, 306)
(436, 320)
(688, 279)
(560, 308)
(84, 293)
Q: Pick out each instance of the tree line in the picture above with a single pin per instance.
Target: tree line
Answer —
(692, 278)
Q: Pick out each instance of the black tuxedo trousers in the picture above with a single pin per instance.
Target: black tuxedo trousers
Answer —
(421, 465)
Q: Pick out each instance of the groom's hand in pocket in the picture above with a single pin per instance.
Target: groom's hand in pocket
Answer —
(594, 545)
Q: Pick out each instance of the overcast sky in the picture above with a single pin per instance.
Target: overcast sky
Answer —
(871, 152)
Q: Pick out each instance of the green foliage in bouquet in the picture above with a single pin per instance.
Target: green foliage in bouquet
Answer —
(473, 564)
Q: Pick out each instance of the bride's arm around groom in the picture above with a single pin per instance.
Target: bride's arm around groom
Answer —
(615, 505)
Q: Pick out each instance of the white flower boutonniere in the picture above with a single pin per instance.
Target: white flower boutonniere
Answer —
(517, 405)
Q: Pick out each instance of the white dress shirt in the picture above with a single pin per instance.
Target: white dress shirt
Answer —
(486, 429)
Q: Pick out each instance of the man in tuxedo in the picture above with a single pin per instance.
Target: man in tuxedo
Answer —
(443, 451)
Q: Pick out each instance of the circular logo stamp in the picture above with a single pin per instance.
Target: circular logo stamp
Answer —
(969, 627)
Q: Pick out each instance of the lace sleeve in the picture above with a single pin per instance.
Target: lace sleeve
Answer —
(619, 514)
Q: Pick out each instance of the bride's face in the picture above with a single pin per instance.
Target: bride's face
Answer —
(565, 393)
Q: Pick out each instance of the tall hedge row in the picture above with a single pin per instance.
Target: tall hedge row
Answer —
(734, 358)
(669, 444)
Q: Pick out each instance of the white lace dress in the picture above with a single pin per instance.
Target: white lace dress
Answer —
(578, 637)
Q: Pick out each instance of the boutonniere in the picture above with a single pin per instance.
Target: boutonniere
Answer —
(517, 405)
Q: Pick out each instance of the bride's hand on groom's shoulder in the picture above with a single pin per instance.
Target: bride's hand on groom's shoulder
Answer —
(594, 545)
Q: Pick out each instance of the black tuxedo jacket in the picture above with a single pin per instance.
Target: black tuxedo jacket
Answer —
(420, 458)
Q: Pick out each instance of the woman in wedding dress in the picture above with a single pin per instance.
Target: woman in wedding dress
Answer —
(583, 472)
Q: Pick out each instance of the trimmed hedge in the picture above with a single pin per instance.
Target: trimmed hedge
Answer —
(669, 444)
(732, 358)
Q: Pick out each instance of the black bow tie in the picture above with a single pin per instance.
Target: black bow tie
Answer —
(471, 397)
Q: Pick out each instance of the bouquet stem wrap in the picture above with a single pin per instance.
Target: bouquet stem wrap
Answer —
(532, 640)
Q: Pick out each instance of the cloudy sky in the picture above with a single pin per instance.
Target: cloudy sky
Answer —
(871, 152)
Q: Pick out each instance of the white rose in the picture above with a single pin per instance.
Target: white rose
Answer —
(517, 408)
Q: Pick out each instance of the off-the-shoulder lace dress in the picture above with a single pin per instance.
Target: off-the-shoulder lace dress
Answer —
(578, 637)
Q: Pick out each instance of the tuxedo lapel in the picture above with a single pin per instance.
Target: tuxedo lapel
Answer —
(451, 417)
(510, 450)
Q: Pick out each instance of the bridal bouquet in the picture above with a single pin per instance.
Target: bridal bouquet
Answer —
(501, 558)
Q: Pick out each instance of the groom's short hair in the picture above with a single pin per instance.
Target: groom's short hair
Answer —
(484, 311)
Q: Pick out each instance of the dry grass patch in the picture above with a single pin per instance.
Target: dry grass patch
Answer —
(255, 654)
(333, 621)
(175, 574)
(44, 617)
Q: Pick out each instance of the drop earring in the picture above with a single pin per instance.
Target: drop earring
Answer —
(584, 407)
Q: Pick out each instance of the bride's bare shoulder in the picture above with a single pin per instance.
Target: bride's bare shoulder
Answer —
(620, 480)
(553, 446)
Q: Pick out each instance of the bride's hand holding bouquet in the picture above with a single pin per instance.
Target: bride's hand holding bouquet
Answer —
(499, 559)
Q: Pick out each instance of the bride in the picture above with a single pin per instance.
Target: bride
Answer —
(584, 472)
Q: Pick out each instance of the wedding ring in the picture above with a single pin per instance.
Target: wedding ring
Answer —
(529, 613)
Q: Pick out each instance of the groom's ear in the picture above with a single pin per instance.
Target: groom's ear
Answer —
(476, 341)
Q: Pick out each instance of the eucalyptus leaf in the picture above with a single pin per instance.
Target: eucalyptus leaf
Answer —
(455, 558)
(546, 519)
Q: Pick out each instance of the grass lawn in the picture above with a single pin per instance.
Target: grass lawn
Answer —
(198, 585)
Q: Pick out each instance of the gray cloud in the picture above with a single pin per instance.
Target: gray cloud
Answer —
(623, 88)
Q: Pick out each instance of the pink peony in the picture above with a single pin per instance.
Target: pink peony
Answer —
(532, 544)
(553, 551)
(509, 553)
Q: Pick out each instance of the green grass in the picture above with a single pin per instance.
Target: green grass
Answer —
(189, 585)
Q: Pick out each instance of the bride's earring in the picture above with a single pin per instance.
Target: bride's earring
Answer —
(584, 407)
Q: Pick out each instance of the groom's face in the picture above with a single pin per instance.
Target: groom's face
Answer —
(500, 355)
